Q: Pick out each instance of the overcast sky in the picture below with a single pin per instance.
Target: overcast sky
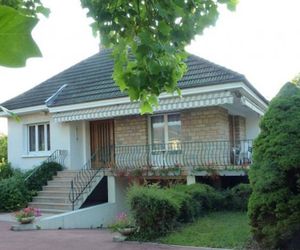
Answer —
(261, 40)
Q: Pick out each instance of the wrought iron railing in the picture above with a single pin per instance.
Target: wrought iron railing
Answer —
(184, 154)
(57, 156)
(83, 179)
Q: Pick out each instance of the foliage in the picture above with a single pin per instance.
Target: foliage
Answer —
(6, 171)
(17, 19)
(122, 221)
(156, 33)
(3, 149)
(154, 211)
(149, 205)
(274, 206)
(27, 213)
(187, 205)
(206, 197)
(217, 230)
(39, 176)
(237, 197)
(14, 194)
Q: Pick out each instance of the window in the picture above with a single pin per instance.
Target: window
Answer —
(166, 131)
(39, 137)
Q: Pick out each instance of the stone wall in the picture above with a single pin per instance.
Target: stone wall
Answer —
(205, 124)
(131, 130)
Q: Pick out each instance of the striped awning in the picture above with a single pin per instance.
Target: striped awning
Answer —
(165, 104)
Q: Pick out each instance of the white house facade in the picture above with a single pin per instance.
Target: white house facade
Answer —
(82, 112)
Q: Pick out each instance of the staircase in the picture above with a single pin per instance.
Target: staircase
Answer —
(54, 198)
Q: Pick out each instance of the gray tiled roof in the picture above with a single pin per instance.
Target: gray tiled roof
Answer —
(91, 80)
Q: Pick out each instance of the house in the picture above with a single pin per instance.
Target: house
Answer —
(81, 114)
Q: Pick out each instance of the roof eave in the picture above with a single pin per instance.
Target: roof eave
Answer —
(26, 111)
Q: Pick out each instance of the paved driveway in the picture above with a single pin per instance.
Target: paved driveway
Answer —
(70, 240)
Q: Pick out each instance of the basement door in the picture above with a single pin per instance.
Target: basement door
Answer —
(102, 143)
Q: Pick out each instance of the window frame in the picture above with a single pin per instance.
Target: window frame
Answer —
(166, 131)
(47, 145)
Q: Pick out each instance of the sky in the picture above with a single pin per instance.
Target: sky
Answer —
(261, 40)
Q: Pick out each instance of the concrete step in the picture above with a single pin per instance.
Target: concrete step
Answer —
(56, 188)
(63, 178)
(50, 199)
(53, 211)
(67, 173)
(54, 193)
(44, 205)
(59, 183)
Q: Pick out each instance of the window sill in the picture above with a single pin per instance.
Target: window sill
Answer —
(41, 155)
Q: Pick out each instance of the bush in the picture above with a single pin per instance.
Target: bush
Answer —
(187, 205)
(206, 197)
(274, 206)
(6, 171)
(3, 149)
(154, 210)
(39, 176)
(14, 194)
(237, 197)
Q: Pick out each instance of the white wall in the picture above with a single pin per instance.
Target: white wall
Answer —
(18, 153)
(95, 216)
(252, 126)
(77, 144)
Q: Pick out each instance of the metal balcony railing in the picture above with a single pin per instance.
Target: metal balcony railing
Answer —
(183, 154)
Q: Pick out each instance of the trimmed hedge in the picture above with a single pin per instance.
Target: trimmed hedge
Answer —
(44, 173)
(154, 210)
(157, 210)
(205, 196)
(274, 206)
(14, 194)
(237, 197)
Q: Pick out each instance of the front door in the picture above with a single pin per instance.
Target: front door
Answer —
(102, 143)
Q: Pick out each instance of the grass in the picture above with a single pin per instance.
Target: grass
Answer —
(220, 229)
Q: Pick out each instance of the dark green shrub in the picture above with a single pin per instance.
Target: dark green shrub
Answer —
(241, 194)
(6, 171)
(14, 194)
(39, 176)
(187, 205)
(206, 197)
(274, 206)
(237, 197)
(154, 210)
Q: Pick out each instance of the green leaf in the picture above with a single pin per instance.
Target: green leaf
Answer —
(146, 108)
(16, 43)
(43, 10)
(164, 28)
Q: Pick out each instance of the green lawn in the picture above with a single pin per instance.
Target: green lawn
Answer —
(220, 229)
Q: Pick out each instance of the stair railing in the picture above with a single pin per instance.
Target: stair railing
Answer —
(83, 179)
(57, 156)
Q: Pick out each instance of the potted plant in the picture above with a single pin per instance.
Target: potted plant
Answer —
(27, 215)
(123, 224)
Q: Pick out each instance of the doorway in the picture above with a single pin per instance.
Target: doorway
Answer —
(102, 143)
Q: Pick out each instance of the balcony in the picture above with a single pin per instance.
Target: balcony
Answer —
(188, 156)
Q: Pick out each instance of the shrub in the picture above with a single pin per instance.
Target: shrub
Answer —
(187, 205)
(6, 171)
(3, 149)
(39, 176)
(154, 210)
(237, 197)
(14, 194)
(205, 196)
(274, 206)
